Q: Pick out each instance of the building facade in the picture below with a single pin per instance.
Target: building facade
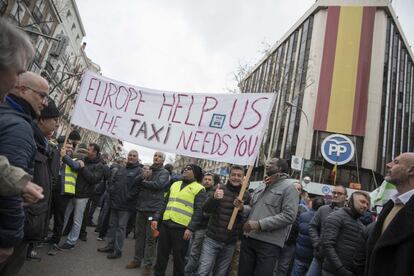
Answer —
(344, 68)
(57, 32)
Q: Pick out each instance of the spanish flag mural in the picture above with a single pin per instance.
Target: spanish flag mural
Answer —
(343, 85)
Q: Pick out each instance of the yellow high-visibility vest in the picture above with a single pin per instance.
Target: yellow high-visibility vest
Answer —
(70, 180)
(180, 207)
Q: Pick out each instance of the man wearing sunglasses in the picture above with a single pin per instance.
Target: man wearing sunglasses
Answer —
(339, 196)
(180, 216)
(23, 104)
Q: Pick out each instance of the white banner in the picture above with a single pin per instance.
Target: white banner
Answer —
(221, 127)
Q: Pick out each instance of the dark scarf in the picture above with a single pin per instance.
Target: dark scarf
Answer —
(21, 105)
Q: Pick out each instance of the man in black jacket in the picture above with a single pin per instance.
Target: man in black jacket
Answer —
(391, 244)
(37, 215)
(88, 176)
(219, 244)
(180, 216)
(150, 199)
(200, 231)
(104, 213)
(123, 201)
(339, 195)
(341, 234)
(23, 104)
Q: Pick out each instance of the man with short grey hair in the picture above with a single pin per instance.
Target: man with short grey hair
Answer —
(16, 52)
(150, 199)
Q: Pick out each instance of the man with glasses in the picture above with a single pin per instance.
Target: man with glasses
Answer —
(339, 196)
(18, 145)
(180, 216)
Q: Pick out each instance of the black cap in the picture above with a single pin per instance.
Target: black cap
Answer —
(49, 111)
(198, 172)
(74, 135)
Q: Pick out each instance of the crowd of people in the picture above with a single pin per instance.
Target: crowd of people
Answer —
(278, 229)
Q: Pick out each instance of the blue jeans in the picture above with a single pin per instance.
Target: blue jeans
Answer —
(285, 259)
(117, 227)
(315, 268)
(300, 267)
(215, 253)
(257, 258)
(195, 252)
(79, 204)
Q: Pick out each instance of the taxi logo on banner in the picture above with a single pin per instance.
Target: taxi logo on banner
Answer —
(337, 149)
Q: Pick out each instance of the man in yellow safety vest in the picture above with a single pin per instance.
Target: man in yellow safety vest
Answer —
(64, 190)
(180, 217)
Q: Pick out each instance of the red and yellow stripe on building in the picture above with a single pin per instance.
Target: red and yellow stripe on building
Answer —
(341, 105)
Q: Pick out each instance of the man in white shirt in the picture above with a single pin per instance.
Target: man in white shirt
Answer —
(391, 244)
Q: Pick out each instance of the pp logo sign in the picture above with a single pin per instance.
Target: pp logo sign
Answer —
(337, 149)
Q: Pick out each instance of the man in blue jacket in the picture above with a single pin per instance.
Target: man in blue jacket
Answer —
(24, 103)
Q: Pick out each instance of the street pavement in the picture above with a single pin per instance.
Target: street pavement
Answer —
(84, 260)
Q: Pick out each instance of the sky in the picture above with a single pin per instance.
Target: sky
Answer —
(191, 46)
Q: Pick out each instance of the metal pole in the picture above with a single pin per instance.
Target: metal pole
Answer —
(306, 139)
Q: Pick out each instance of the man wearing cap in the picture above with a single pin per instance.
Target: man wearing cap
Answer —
(37, 215)
(23, 104)
(180, 216)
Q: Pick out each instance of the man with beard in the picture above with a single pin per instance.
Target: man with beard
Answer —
(341, 234)
(272, 211)
(391, 244)
(219, 244)
(150, 199)
(180, 216)
(122, 202)
(339, 195)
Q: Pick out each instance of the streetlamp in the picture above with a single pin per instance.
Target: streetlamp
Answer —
(306, 139)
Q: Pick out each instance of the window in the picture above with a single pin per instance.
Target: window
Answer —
(68, 14)
(40, 5)
(73, 26)
(17, 12)
(3, 6)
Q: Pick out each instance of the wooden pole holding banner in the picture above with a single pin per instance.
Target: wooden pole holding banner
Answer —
(240, 197)
(67, 136)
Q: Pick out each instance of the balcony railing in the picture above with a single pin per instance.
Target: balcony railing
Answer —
(46, 29)
(37, 14)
